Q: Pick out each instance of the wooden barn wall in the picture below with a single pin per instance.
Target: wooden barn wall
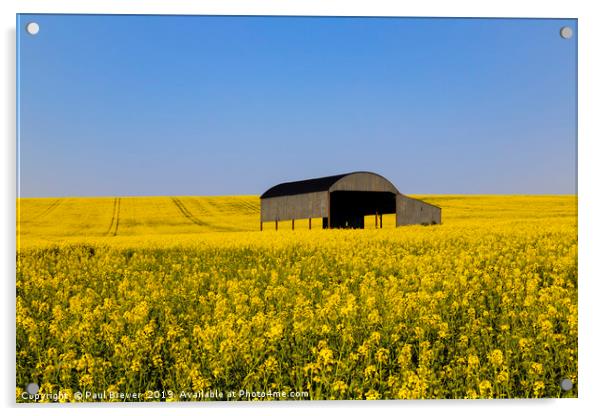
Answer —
(412, 211)
(364, 182)
(310, 205)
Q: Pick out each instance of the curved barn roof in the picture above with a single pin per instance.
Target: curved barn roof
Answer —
(327, 183)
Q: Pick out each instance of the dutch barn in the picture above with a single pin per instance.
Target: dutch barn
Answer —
(342, 201)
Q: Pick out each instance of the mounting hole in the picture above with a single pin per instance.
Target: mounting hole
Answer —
(566, 384)
(566, 32)
(32, 28)
(32, 388)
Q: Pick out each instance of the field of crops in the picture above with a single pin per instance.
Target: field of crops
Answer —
(183, 298)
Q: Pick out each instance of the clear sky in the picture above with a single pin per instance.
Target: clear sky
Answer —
(204, 105)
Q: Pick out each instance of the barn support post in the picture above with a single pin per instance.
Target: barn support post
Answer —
(276, 224)
(310, 223)
(380, 216)
(329, 223)
(260, 225)
(293, 224)
(376, 220)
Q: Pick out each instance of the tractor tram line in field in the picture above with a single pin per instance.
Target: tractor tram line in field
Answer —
(48, 210)
(194, 219)
(117, 216)
(114, 217)
(249, 206)
(186, 213)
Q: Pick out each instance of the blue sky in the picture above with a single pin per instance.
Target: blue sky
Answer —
(205, 105)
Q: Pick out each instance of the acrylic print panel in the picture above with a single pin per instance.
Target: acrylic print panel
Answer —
(295, 208)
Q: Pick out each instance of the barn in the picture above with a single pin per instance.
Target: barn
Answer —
(342, 201)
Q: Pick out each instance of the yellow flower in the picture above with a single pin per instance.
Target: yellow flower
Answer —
(405, 356)
(473, 361)
(496, 357)
(485, 389)
(157, 360)
(339, 386)
(135, 365)
(537, 368)
(524, 344)
(369, 371)
(275, 331)
(502, 377)
(538, 388)
(471, 394)
(325, 356)
(86, 380)
(372, 395)
(382, 355)
(375, 337)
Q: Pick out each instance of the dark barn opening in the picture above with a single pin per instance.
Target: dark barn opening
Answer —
(348, 208)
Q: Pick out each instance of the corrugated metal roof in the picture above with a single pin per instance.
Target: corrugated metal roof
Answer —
(303, 187)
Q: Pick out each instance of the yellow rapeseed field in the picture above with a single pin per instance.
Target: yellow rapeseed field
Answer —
(183, 298)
